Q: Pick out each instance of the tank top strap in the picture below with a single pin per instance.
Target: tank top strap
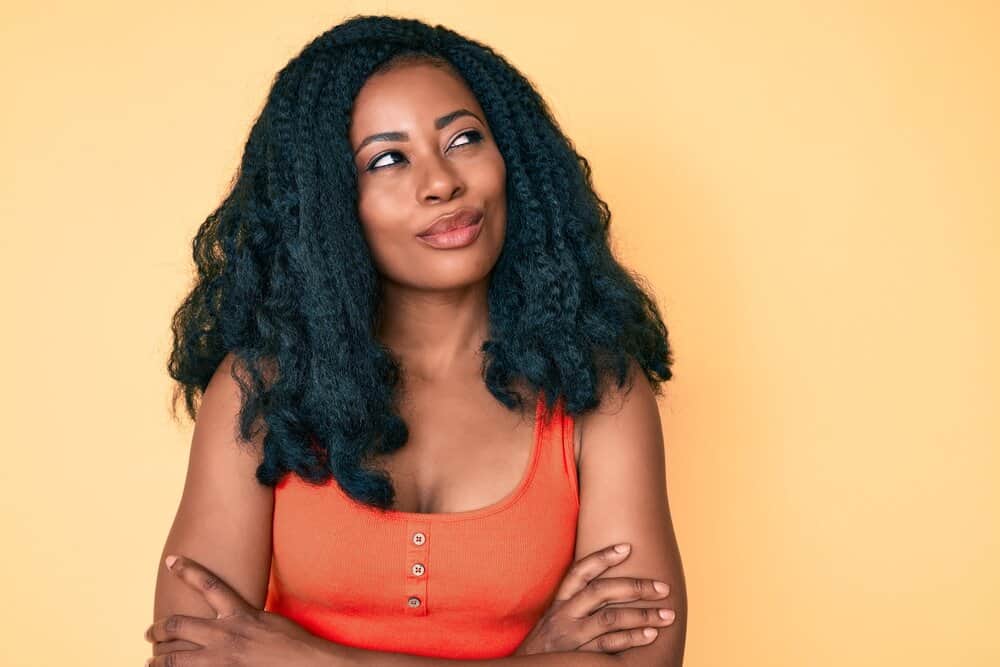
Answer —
(558, 460)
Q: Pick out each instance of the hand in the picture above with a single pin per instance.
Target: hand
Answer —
(570, 623)
(239, 634)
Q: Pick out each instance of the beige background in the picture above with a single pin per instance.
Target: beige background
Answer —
(810, 187)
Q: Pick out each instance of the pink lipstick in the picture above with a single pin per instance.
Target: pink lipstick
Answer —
(458, 229)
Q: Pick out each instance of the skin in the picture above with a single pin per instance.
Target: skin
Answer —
(435, 319)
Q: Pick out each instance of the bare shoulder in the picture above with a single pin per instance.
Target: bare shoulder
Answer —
(223, 520)
(633, 406)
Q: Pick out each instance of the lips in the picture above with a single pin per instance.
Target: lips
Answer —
(463, 217)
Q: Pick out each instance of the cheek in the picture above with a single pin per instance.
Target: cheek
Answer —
(498, 185)
(383, 229)
(375, 205)
(379, 206)
(497, 174)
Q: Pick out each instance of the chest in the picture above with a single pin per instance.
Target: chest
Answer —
(464, 452)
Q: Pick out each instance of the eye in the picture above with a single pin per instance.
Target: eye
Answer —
(474, 137)
(477, 137)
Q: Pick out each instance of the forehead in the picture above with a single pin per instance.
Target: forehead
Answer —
(408, 97)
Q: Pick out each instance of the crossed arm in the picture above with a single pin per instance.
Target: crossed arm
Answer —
(224, 520)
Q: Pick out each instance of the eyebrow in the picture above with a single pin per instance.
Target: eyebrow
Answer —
(439, 123)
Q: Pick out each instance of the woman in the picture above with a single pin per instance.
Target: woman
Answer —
(408, 304)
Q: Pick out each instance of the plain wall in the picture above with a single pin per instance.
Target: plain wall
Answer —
(810, 189)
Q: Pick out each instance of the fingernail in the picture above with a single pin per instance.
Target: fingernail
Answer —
(170, 563)
(660, 586)
(622, 548)
(666, 614)
(649, 632)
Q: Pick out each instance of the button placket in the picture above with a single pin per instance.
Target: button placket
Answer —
(417, 567)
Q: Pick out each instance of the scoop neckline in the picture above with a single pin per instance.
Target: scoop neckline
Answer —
(498, 506)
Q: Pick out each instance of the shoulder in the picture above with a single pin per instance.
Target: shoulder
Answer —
(633, 408)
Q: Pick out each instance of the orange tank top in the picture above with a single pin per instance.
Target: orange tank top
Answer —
(467, 585)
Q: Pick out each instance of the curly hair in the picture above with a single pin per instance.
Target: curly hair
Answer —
(286, 283)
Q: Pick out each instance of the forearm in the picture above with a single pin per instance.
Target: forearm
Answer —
(365, 658)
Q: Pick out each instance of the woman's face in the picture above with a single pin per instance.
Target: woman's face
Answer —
(439, 157)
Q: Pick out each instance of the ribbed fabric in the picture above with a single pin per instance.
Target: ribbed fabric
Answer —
(465, 585)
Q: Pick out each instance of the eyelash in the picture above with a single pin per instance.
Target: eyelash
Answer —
(478, 138)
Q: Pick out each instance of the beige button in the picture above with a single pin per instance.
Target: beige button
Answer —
(417, 569)
(419, 538)
(413, 602)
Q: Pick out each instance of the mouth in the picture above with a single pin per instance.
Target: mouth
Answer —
(459, 235)
(462, 217)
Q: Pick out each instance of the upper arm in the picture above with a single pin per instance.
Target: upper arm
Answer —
(623, 498)
(224, 517)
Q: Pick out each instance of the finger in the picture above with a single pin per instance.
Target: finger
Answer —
(588, 568)
(611, 619)
(192, 658)
(219, 595)
(616, 642)
(610, 590)
(178, 645)
(201, 631)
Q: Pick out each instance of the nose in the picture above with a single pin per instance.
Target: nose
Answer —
(441, 180)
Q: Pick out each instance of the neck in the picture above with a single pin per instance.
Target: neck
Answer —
(437, 334)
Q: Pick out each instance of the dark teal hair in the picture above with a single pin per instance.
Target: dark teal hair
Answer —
(285, 280)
